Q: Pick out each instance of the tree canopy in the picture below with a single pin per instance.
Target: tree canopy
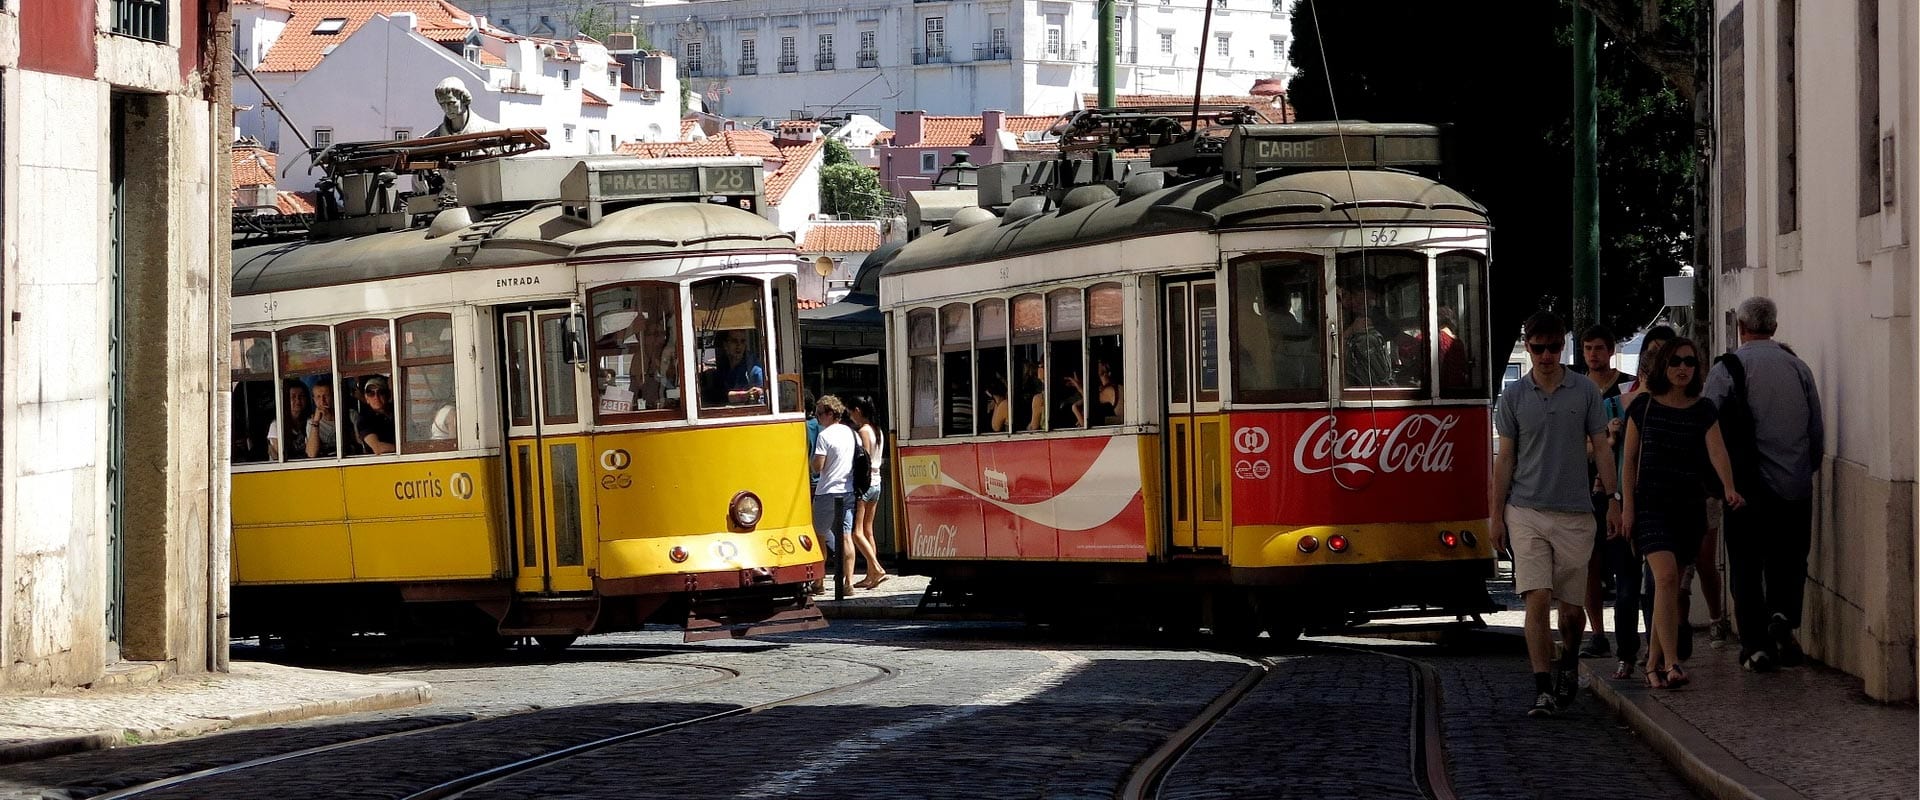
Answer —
(851, 189)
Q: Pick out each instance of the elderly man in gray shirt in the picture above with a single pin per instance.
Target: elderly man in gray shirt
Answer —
(1540, 502)
(1770, 412)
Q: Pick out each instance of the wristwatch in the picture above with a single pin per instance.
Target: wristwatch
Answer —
(1617, 496)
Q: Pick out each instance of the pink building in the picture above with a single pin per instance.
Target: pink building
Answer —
(922, 144)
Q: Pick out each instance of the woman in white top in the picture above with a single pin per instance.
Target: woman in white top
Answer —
(872, 442)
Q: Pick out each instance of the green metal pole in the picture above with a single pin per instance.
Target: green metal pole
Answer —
(1586, 184)
(1109, 41)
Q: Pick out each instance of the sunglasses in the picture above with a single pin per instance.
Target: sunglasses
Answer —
(1684, 361)
(1553, 347)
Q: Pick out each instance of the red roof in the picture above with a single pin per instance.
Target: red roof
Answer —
(649, 149)
(294, 202)
(253, 165)
(277, 5)
(1269, 107)
(883, 137)
(687, 127)
(806, 303)
(300, 48)
(735, 143)
(970, 131)
(590, 99)
(490, 60)
(841, 237)
(798, 158)
(798, 125)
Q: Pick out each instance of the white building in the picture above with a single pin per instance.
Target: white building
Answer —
(370, 75)
(552, 19)
(1815, 180)
(777, 57)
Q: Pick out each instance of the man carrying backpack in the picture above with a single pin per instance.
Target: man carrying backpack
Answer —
(1770, 414)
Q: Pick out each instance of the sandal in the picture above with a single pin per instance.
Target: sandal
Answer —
(1622, 671)
(1655, 680)
(1676, 677)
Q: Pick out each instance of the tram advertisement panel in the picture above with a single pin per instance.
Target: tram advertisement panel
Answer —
(1354, 466)
(1066, 499)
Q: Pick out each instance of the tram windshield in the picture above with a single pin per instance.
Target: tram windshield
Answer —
(729, 321)
(1383, 320)
(1278, 355)
(636, 351)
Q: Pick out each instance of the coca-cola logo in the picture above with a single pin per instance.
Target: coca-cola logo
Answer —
(1417, 444)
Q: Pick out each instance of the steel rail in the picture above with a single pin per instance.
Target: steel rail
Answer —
(1425, 741)
(460, 786)
(1147, 776)
(727, 674)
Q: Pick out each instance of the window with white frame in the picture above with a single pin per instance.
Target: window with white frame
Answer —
(1166, 42)
(826, 44)
(867, 42)
(330, 26)
(929, 161)
(1279, 48)
(694, 51)
(322, 137)
(402, 134)
(787, 50)
(569, 133)
(1223, 44)
(936, 35)
(566, 79)
(749, 50)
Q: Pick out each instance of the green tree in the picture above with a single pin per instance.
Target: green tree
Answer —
(851, 189)
(591, 19)
(836, 153)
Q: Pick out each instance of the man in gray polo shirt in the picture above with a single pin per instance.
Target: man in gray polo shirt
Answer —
(1541, 504)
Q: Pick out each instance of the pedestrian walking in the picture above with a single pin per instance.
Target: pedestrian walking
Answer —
(1777, 438)
(833, 490)
(1597, 345)
(865, 420)
(1539, 502)
(1675, 459)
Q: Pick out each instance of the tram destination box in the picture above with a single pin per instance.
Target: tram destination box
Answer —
(594, 183)
(522, 179)
(1326, 145)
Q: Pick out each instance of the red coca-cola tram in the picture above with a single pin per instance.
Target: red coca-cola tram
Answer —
(1244, 385)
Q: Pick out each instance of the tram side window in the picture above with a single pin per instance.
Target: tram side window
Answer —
(636, 351)
(1383, 319)
(1030, 360)
(1279, 357)
(254, 401)
(786, 315)
(990, 357)
(427, 383)
(1106, 404)
(923, 347)
(956, 360)
(730, 330)
(1066, 322)
(1463, 325)
(366, 388)
(306, 362)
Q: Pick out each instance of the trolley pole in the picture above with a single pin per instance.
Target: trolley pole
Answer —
(1109, 42)
(1586, 190)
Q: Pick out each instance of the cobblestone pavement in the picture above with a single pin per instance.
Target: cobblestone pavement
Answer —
(975, 710)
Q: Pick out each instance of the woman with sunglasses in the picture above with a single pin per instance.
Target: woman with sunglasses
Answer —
(1675, 459)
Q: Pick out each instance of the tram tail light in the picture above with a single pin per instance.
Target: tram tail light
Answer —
(806, 543)
(1450, 539)
(1469, 538)
(1309, 543)
(1337, 543)
(678, 554)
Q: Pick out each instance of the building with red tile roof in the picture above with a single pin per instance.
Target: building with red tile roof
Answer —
(841, 237)
(922, 144)
(319, 26)
(1274, 108)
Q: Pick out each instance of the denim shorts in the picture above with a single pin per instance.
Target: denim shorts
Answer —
(832, 516)
(872, 495)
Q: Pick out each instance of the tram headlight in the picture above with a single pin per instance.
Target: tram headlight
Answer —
(744, 510)
(1309, 543)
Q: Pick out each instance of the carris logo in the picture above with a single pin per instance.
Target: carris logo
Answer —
(1418, 444)
(1250, 441)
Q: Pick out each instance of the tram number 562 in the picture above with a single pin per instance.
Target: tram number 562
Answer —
(1382, 236)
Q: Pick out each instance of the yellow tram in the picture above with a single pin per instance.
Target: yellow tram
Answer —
(569, 405)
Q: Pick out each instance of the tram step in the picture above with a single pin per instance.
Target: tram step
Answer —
(722, 619)
(551, 616)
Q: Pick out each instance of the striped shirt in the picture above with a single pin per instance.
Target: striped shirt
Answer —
(1673, 448)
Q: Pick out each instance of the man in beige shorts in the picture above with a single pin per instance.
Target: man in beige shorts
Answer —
(1540, 503)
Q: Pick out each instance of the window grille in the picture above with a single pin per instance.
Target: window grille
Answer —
(141, 19)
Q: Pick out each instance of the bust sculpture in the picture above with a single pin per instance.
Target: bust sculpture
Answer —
(456, 106)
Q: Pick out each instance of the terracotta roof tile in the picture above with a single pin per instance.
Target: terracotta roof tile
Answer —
(277, 5)
(687, 127)
(294, 202)
(253, 166)
(735, 143)
(299, 48)
(490, 60)
(805, 303)
(649, 149)
(947, 132)
(798, 159)
(1269, 107)
(798, 125)
(884, 137)
(841, 237)
(590, 99)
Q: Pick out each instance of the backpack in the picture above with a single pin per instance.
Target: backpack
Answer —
(1738, 428)
(862, 467)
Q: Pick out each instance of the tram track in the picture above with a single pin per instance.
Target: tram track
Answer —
(1147, 776)
(1426, 742)
(723, 674)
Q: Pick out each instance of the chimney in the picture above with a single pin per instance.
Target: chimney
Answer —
(906, 127)
(990, 124)
(406, 18)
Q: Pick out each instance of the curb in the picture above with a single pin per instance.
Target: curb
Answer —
(1703, 763)
(408, 693)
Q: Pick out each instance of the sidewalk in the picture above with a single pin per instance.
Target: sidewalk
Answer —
(133, 705)
(898, 598)
(1807, 732)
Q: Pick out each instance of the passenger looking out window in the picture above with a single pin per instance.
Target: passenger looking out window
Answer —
(366, 365)
(323, 428)
(1383, 319)
(373, 420)
(254, 391)
(1029, 356)
(1065, 319)
(1105, 311)
(990, 350)
(288, 434)
(729, 320)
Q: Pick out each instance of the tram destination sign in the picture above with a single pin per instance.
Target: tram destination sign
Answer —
(1322, 145)
(654, 182)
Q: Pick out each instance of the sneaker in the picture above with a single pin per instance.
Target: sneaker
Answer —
(1566, 687)
(1542, 705)
(1597, 647)
(1782, 634)
(1719, 632)
(1757, 661)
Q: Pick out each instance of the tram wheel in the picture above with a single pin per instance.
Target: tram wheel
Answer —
(555, 644)
(1233, 619)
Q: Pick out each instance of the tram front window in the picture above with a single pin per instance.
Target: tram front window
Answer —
(1383, 319)
(636, 350)
(730, 325)
(1278, 356)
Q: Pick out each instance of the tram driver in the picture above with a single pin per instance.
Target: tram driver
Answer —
(736, 374)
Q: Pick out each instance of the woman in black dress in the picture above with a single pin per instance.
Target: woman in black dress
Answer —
(1674, 459)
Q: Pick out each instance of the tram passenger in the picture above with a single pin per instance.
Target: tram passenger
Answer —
(1032, 395)
(1366, 331)
(998, 409)
(323, 428)
(736, 376)
(299, 407)
(373, 421)
(1454, 372)
(1107, 403)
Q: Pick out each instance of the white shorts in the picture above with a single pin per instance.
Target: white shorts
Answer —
(1550, 551)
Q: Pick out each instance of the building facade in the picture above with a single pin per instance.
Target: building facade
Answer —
(790, 57)
(1814, 181)
(113, 393)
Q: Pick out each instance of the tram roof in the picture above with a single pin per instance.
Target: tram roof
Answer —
(1318, 198)
(537, 235)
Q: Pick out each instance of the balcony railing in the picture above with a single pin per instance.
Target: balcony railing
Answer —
(749, 66)
(824, 62)
(789, 64)
(991, 51)
(869, 59)
(141, 19)
(930, 55)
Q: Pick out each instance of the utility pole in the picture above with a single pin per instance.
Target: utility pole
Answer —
(1586, 184)
(1108, 43)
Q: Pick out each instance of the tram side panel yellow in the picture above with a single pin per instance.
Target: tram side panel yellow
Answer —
(289, 526)
(661, 489)
(423, 520)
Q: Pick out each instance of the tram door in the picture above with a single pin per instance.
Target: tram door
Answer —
(547, 452)
(1194, 437)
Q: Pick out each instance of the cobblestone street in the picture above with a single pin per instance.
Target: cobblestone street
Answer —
(905, 709)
